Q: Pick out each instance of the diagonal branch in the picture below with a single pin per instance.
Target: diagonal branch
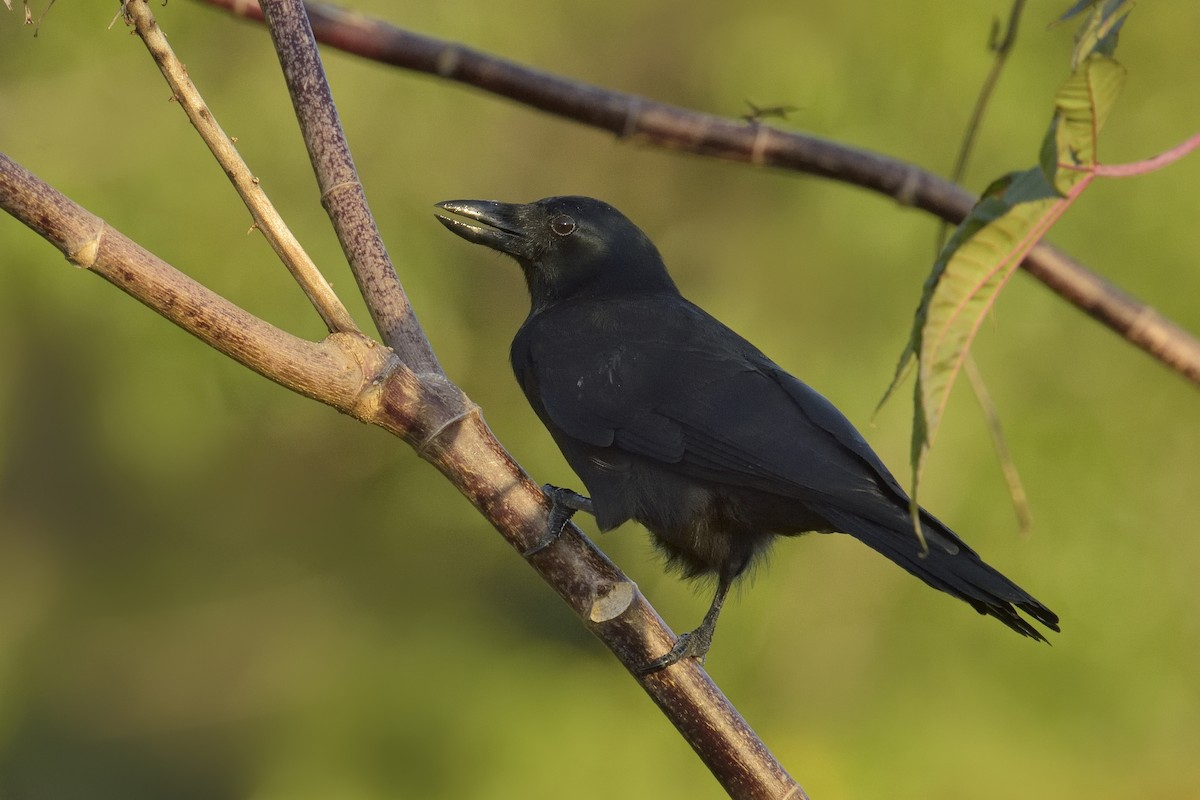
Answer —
(664, 125)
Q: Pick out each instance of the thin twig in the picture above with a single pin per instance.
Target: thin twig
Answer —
(1148, 165)
(266, 218)
(1001, 45)
(664, 125)
(341, 190)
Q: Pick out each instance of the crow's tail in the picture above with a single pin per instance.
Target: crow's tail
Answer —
(950, 566)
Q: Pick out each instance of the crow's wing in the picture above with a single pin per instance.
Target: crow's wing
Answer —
(661, 379)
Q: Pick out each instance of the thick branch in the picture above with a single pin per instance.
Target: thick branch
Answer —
(640, 119)
(341, 191)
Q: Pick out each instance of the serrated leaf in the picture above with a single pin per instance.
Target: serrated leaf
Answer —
(983, 212)
(976, 263)
(1011, 217)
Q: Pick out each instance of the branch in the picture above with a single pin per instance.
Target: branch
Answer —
(321, 371)
(266, 218)
(342, 193)
(655, 123)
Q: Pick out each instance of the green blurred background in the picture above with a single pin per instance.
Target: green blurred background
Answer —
(211, 588)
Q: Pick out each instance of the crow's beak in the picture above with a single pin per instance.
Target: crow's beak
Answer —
(501, 227)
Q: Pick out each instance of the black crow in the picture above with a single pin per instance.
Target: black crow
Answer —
(672, 419)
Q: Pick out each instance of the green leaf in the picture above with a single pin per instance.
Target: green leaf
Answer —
(966, 280)
(1013, 214)
(1001, 228)
(1082, 104)
(978, 217)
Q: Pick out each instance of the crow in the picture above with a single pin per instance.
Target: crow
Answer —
(673, 420)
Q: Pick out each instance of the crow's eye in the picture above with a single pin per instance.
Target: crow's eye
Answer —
(562, 225)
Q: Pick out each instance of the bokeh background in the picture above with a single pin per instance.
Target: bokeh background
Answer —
(211, 588)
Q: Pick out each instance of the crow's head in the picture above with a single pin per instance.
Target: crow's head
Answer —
(566, 246)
